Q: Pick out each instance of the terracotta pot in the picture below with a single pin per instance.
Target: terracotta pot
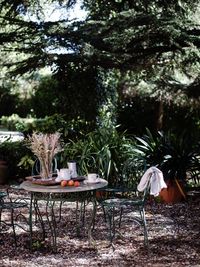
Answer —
(3, 172)
(173, 193)
(101, 195)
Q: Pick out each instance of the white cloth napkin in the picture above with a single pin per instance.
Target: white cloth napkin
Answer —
(154, 177)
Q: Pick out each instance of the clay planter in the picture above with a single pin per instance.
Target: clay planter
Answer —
(3, 172)
(101, 195)
(173, 193)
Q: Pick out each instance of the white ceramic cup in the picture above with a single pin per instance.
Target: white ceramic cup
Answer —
(93, 178)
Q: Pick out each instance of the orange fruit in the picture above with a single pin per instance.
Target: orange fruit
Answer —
(76, 183)
(70, 183)
(63, 183)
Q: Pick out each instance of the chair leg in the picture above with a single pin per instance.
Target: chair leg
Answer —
(13, 226)
(120, 216)
(111, 222)
(104, 212)
(142, 214)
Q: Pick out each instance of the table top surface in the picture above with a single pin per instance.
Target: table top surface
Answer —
(31, 187)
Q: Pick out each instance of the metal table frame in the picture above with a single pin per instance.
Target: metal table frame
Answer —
(51, 194)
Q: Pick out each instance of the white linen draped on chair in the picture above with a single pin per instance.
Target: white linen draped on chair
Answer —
(154, 177)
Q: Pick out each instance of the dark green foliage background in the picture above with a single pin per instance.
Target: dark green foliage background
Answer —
(132, 41)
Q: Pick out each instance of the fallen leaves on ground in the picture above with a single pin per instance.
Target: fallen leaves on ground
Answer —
(174, 238)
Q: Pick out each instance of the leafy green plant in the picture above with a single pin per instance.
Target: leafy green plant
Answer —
(12, 153)
(174, 154)
(103, 150)
(26, 162)
(183, 157)
(151, 147)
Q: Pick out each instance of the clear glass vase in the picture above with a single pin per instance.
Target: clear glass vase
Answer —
(45, 170)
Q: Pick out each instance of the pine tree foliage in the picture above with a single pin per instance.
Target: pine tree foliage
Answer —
(158, 37)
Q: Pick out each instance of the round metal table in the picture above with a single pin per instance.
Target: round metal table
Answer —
(31, 187)
(53, 193)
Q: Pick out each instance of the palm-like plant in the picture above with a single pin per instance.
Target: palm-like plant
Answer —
(182, 157)
(174, 155)
(151, 148)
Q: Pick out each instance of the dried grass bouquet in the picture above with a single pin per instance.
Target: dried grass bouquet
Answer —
(45, 147)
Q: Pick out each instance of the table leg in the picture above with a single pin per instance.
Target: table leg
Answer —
(51, 218)
(91, 225)
(38, 216)
(54, 226)
(30, 221)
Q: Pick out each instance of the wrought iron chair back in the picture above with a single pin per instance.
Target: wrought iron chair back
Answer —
(127, 181)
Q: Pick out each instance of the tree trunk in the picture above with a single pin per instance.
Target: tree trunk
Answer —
(159, 115)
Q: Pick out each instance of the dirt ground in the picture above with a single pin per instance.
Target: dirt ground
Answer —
(174, 239)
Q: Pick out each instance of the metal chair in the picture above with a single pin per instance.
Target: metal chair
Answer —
(136, 203)
(152, 180)
(125, 183)
(7, 204)
(125, 197)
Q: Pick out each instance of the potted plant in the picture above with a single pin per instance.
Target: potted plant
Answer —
(174, 155)
(182, 157)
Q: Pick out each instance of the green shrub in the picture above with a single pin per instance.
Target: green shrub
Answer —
(72, 129)
(12, 153)
(103, 151)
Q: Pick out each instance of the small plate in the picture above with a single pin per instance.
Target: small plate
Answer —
(78, 178)
(96, 182)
